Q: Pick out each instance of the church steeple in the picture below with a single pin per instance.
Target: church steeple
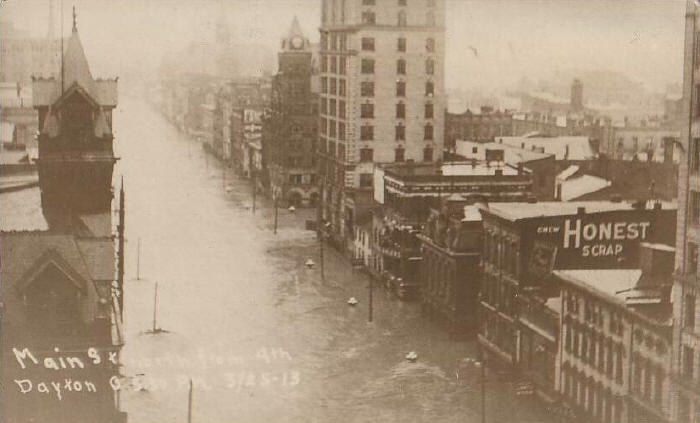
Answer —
(76, 157)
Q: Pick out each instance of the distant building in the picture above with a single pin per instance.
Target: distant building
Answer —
(577, 96)
(382, 98)
(477, 127)
(541, 165)
(646, 143)
(563, 147)
(291, 130)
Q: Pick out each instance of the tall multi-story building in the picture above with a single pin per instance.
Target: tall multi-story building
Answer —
(290, 132)
(382, 97)
(686, 341)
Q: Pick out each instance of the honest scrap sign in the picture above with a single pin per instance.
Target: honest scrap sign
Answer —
(603, 240)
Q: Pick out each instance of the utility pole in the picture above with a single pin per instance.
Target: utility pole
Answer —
(255, 188)
(275, 227)
(120, 263)
(483, 385)
(189, 404)
(371, 285)
(138, 260)
(155, 307)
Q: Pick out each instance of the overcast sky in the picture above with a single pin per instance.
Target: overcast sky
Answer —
(513, 38)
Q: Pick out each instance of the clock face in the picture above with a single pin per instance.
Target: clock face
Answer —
(297, 42)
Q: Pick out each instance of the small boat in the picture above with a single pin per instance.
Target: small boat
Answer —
(292, 209)
(309, 263)
(353, 301)
(412, 356)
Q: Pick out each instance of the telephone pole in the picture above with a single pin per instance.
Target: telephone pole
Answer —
(120, 263)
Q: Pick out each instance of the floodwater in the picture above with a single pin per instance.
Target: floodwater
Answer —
(261, 336)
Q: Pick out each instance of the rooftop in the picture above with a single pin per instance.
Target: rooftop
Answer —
(517, 211)
(20, 210)
(567, 147)
(621, 286)
(513, 154)
(408, 170)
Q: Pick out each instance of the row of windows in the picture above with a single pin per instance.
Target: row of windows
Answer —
(369, 44)
(337, 42)
(592, 313)
(498, 295)
(333, 64)
(367, 154)
(439, 277)
(367, 66)
(367, 132)
(498, 331)
(333, 128)
(592, 397)
(501, 252)
(335, 86)
(332, 108)
(367, 110)
(369, 17)
(594, 349)
(367, 88)
(647, 379)
(429, 3)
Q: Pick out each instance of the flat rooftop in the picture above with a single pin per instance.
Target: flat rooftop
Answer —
(446, 169)
(517, 211)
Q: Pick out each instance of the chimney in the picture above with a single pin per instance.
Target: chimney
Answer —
(566, 152)
(520, 168)
(580, 210)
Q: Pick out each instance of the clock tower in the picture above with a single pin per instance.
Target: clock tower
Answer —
(291, 127)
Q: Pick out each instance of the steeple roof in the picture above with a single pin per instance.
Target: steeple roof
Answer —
(295, 30)
(76, 68)
(295, 33)
(74, 71)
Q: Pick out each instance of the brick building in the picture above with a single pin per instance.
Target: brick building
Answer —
(686, 337)
(524, 243)
(290, 131)
(477, 127)
(450, 274)
(404, 194)
(616, 339)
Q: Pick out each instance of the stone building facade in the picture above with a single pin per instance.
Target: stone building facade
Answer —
(382, 97)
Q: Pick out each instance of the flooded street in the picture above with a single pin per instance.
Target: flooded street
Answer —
(262, 336)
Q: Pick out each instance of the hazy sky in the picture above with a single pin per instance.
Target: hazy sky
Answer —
(513, 38)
